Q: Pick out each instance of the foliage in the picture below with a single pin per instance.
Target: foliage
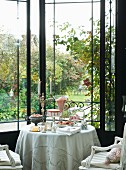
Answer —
(80, 62)
(84, 47)
(67, 71)
(85, 51)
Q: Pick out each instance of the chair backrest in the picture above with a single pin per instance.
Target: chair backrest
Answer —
(123, 152)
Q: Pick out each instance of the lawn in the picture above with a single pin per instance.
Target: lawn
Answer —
(78, 97)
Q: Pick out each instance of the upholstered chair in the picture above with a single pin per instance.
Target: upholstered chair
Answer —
(9, 160)
(112, 157)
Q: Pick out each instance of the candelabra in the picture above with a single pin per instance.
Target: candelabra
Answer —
(42, 102)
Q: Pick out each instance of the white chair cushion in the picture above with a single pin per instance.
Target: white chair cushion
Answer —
(4, 160)
(98, 160)
(20, 167)
(91, 168)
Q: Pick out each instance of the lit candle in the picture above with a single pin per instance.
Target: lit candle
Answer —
(50, 86)
(39, 87)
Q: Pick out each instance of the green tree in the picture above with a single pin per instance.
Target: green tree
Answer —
(84, 47)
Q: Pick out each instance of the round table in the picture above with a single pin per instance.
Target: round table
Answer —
(54, 151)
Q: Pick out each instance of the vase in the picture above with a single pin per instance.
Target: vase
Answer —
(60, 102)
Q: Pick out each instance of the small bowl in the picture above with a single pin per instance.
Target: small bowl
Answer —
(36, 120)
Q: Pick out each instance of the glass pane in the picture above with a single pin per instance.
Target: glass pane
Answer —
(71, 74)
(96, 65)
(8, 58)
(11, 38)
(21, 32)
(110, 65)
(34, 55)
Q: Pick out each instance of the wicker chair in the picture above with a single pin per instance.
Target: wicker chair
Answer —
(9, 160)
(97, 158)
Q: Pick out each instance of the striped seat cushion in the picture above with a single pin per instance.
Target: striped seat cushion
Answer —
(4, 160)
(99, 160)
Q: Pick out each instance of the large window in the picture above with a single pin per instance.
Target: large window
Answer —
(75, 65)
(74, 54)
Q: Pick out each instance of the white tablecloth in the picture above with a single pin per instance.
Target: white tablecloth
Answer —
(53, 151)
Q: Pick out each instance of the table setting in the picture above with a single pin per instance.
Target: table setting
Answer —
(49, 149)
(72, 125)
(69, 127)
(56, 143)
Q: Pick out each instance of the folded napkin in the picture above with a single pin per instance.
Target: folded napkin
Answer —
(68, 130)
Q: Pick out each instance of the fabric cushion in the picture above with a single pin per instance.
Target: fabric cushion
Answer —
(98, 160)
(113, 156)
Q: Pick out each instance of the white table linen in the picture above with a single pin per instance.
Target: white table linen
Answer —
(54, 151)
(68, 130)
